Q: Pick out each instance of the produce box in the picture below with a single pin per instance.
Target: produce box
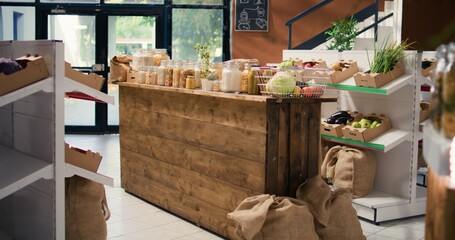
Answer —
(336, 130)
(339, 72)
(368, 134)
(377, 80)
(92, 80)
(427, 70)
(85, 159)
(34, 69)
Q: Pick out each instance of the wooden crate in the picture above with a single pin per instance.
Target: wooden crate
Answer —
(199, 154)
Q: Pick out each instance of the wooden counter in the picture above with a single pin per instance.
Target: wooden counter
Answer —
(199, 154)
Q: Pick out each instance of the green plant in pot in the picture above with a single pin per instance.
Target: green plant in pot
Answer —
(342, 34)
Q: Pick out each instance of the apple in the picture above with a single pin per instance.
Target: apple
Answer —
(365, 124)
(356, 125)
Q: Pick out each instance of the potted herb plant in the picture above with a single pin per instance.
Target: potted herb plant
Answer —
(342, 34)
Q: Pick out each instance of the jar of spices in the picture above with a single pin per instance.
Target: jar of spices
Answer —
(231, 78)
(244, 83)
(176, 73)
(190, 82)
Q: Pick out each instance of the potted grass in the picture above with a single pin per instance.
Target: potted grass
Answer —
(386, 66)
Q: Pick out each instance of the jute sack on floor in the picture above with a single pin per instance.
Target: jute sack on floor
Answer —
(86, 210)
(334, 216)
(268, 217)
(350, 168)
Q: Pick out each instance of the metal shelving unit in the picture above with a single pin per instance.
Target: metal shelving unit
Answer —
(32, 165)
(395, 192)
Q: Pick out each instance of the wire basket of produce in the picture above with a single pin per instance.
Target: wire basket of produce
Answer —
(293, 83)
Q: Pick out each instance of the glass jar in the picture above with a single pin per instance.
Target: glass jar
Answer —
(197, 73)
(160, 71)
(159, 55)
(151, 77)
(190, 82)
(186, 70)
(231, 78)
(448, 94)
(176, 73)
(142, 75)
(253, 87)
(168, 73)
(218, 66)
(142, 58)
(245, 72)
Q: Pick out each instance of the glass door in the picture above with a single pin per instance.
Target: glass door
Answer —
(92, 37)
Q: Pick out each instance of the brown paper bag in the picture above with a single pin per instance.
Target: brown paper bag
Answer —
(119, 67)
(334, 216)
(269, 217)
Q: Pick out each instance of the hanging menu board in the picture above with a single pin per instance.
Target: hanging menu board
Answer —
(252, 15)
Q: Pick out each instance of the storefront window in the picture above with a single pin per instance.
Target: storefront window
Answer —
(72, 1)
(135, 1)
(199, 2)
(191, 26)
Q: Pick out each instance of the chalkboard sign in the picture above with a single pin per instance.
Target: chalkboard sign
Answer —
(252, 15)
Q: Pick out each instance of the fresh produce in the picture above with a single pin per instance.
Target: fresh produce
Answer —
(366, 123)
(340, 66)
(286, 64)
(310, 64)
(282, 82)
(340, 117)
(387, 56)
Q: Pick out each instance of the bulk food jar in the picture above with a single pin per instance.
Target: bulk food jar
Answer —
(231, 78)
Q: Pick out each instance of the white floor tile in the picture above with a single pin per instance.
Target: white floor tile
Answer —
(400, 232)
(155, 234)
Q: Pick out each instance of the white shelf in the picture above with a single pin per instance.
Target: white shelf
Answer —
(421, 195)
(73, 86)
(377, 199)
(349, 84)
(18, 170)
(72, 170)
(384, 142)
(436, 150)
(42, 85)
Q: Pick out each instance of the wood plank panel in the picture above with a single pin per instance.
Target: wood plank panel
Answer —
(183, 205)
(222, 194)
(237, 171)
(238, 142)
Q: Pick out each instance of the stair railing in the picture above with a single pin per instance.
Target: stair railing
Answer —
(302, 15)
(373, 7)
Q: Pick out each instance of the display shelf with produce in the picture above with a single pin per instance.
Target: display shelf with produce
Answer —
(395, 194)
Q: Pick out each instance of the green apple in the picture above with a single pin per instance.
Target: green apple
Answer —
(374, 124)
(356, 125)
(365, 124)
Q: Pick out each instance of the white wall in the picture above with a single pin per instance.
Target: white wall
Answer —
(27, 24)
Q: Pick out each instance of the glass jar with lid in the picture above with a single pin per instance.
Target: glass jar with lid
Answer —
(231, 78)
(142, 58)
(187, 69)
(176, 73)
(436, 89)
(245, 72)
(448, 94)
(159, 55)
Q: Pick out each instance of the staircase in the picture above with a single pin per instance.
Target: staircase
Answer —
(370, 20)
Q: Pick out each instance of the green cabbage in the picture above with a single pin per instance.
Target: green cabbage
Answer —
(282, 82)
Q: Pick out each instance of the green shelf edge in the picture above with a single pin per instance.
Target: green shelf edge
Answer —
(354, 142)
(380, 91)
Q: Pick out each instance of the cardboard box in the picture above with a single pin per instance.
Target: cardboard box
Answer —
(429, 70)
(131, 76)
(85, 159)
(335, 76)
(336, 130)
(34, 70)
(377, 80)
(368, 134)
(92, 80)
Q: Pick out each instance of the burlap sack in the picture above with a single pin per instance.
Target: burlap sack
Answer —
(334, 216)
(350, 168)
(269, 217)
(119, 67)
(86, 210)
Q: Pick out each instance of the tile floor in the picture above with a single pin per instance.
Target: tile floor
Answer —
(134, 219)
